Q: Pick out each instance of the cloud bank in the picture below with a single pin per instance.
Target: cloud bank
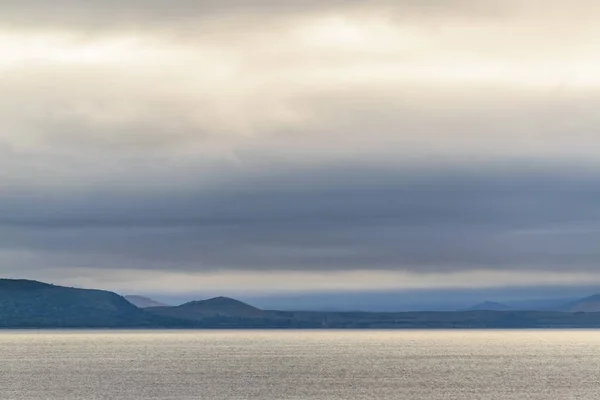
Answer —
(208, 139)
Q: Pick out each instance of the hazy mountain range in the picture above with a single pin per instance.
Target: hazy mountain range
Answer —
(490, 306)
(586, 304)
(396, 301)
(143, 302)
(31, 304)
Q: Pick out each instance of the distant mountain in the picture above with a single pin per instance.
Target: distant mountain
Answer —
(215, 307)
(490, 306)
(143, 302)
(587, 304)
(548, 304)
(32, 304)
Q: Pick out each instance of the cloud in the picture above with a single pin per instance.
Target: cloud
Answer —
(420, 137)
(156, 13)
(352, 283)
(355, 83)
(319, 220)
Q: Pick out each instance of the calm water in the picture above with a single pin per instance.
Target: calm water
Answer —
(300, 365)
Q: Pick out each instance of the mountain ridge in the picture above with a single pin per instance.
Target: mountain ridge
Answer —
(490, 306)
(213, 307)
(589, 304)
(33, 304)
(143, 301)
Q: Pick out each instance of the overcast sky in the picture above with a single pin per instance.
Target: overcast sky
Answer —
(268, 146)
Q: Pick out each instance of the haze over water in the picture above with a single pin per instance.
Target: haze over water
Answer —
(299, 365)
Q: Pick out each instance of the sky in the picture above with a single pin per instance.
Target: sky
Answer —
(266, 147)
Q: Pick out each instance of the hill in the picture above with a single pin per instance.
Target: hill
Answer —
(490, 306)
(547, 304)
(222, 312)
(587, 304)
(143, 302)
(32, 304)
(215, 307)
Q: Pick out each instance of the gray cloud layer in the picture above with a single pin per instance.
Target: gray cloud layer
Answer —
(272, 136)
(323, 220)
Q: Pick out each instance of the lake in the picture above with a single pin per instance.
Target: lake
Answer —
(128, 365)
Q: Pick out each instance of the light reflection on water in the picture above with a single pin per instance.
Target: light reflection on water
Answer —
(532, 364)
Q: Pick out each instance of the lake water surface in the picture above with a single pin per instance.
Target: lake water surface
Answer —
(264, 365)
